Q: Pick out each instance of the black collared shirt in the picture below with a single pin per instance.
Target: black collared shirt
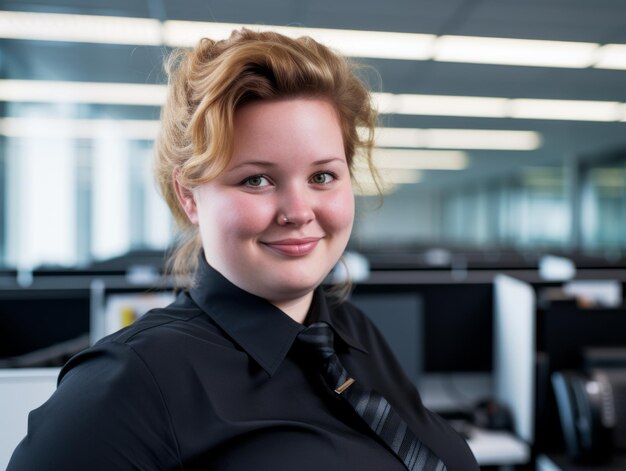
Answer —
(214, 382)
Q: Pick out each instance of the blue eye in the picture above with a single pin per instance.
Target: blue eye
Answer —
(256, 181)
(322, 178)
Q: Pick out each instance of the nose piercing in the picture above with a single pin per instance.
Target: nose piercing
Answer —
(285, 219)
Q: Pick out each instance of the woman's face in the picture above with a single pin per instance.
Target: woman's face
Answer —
(279, 217)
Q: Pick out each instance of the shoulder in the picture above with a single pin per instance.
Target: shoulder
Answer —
(166, 332)
(173, 319)
(106, 399)
(147, 352)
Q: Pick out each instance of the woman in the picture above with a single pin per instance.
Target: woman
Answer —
(255, 158)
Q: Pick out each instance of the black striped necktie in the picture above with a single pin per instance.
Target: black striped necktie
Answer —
(370, 405)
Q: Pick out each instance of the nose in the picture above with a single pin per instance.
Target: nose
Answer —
(295, 207)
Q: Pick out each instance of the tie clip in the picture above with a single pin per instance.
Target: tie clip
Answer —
(344, 386)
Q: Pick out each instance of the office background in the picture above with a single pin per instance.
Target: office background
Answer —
(502, 139)
(502, 121)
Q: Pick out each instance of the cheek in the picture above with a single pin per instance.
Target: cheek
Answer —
(340, 214)
(242, 216)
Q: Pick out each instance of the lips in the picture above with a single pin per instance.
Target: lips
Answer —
(294, 247)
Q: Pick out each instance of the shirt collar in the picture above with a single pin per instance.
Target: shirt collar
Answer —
(265, 332)
(320, 311)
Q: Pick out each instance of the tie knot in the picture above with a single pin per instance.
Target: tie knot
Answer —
(318, 338)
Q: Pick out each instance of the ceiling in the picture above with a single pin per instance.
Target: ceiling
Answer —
(602, 21)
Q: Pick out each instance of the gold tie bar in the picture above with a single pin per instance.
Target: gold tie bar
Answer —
(344, 386)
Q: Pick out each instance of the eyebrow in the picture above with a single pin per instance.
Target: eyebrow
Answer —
(267, 163)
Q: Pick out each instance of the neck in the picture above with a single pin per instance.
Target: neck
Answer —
(297, 308)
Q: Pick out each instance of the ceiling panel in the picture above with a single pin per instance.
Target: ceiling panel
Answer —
(566, 20)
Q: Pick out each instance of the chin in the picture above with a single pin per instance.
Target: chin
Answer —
(291, 289)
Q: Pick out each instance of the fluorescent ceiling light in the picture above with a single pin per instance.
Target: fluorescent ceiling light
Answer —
(482, 107)
(401, 176)
(375, 44)
(385, 137)
(388, 175)
(358, 43)
(419, 159)
(543, 181)
(388, 181)
(45, 91)
(386, 45)
(543, 177)
(55, 128)
(80, 28)
(612, 56)
(576, 110)
(505, 51)
(458, 138)
(188, 33)
(441, 105)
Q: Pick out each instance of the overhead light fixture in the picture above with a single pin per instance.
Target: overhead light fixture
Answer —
(388, 180)
(492, 107)
(483, 139)
(574, 110)
(46, 91)
(187, 33)
(543, 177)
(458, 138)
(441, 105)
(355, 43)
(80, 28)
(388, 175)
(59, 128)
(385, 137)
(420, 159)
(608, 177)
(506, 51)
(611, 56)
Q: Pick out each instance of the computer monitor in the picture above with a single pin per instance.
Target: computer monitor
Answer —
(37, 317)
(441, 335)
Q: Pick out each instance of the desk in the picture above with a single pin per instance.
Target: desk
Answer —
(496, 448)
(446, 393)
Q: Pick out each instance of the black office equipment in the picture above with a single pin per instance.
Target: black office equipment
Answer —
(41, 315)
(576, 344)
(441, 331)
(587, 410)
(592, 405)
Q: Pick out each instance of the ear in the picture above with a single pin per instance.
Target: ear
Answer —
(185, 198)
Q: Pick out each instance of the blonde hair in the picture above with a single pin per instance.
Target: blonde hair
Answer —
(209, 83)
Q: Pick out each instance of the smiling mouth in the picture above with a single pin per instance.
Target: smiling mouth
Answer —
(293, 247)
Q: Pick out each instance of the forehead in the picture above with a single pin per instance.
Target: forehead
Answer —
(287, 109)
(293, 126)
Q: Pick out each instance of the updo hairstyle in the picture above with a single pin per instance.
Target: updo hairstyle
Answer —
(210, 82)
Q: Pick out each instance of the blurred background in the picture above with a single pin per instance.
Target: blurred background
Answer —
(495, 261)
(502, 122)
